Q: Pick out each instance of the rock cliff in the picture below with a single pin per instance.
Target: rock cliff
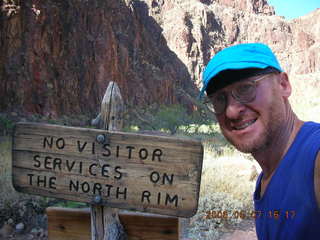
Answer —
(196, 30)
(57, 57)
(60, 55)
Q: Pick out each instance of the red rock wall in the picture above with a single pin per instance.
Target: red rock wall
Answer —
(57, 57)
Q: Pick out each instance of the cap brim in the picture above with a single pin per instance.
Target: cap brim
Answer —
(230, 66)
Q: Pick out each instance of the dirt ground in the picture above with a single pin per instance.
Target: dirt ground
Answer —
(245, 231)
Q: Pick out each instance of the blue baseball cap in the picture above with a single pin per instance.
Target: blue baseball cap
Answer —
(238, 57)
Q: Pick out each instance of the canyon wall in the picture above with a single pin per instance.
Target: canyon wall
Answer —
(57, 57)
(196, 30)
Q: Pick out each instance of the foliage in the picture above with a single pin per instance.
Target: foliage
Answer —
(70, 204)
(306, 106)
(6, 125)
(172, 119)
(225, 196)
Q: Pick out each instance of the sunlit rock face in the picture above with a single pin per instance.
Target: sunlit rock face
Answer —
(195, 30)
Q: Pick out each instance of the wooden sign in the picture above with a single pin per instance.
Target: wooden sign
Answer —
(120, 170)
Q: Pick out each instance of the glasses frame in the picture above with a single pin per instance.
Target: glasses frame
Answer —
(209, 102)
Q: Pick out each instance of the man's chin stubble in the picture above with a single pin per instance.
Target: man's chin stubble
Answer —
(253, 146)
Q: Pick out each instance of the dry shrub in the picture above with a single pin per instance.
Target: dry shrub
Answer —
(305, 99)
(227, 187)
(6, 188)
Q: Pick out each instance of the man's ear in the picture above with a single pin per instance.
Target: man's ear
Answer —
(285, 85)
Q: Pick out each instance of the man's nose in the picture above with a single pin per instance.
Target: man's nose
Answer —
(234, 108)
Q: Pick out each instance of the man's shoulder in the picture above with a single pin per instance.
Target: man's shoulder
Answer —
(312, 143)
(317, 179)
(314, 126)
(309, 133)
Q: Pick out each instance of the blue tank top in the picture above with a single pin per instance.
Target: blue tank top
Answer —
(288, 209)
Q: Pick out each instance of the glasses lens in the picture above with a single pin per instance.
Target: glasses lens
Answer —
(216, 103)
(245, 92)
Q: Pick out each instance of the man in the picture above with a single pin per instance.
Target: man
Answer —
(248, 92)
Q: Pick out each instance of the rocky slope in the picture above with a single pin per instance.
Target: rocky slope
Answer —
(61, 55)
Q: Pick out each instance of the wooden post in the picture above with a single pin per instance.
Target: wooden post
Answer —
(105, 223)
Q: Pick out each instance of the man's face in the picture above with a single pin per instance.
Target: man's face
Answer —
(251, 127)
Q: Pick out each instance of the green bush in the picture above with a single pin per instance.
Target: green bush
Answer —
(170, 118)
(173, 119)
(70, 204)
(6, 125)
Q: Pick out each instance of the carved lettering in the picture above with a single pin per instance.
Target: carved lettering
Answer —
(42, 181)
(145, 195)
(93, 148)
(90, 169)
(73, 186)
(108, 151)
(159, 198)
(130, 148)
(70, 167)
(57, 162)
(80, 167)
(132, 171)
(47, 162)
(81, 147)
(154, 177)
(143, 153)
(108, 189)
(60, 143)
(157, 153)
(105, 170)
(97, 188)
(167, 178)
(47, 142)
(36, 159)
(85, 187)
(123, 192)
(118, 149)
(52, 182)
(30, 178)
(170, 199)
(119, 176)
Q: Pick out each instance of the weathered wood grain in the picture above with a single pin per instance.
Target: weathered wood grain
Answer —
(129, 171)
(105, 223)
(74, 224)
(112, 106)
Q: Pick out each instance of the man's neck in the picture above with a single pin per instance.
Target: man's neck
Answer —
(270, 157)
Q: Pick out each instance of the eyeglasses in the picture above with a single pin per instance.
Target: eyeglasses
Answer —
(243, 92)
